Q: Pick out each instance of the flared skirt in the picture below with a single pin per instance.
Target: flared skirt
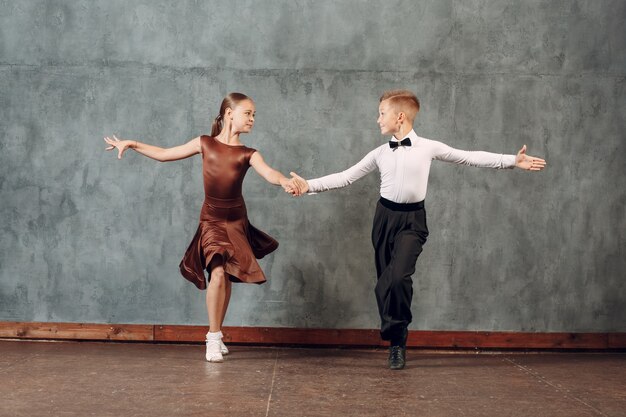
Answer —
(224, 230)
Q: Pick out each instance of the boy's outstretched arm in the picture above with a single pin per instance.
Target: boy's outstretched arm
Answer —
(332, 181)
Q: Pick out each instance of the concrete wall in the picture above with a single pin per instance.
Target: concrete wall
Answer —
(88, 238)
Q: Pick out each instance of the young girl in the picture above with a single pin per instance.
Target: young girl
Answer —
(225, 243)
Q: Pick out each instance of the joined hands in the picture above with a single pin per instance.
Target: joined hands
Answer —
(296, 185)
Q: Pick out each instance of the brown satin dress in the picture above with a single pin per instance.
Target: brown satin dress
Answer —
(224, 228)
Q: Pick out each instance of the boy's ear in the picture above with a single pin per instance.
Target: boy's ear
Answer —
(401, 116)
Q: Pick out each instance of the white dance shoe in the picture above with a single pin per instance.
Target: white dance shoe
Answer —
(223, 348)
(214, 351)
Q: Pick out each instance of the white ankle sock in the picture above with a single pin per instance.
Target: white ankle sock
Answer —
(214, 335)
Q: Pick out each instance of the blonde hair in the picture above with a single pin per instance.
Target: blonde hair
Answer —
(402, 101)
(230, 101)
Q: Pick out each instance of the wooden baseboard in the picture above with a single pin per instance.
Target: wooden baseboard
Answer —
(77, 331)
(310, 337)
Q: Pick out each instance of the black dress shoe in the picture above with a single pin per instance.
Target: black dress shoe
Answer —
(397, 357)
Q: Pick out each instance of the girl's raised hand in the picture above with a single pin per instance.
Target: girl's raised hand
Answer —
(121, 145)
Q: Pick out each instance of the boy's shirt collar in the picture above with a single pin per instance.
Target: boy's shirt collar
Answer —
(411, 135)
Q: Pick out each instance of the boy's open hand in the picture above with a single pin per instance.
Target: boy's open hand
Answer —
(527, 162)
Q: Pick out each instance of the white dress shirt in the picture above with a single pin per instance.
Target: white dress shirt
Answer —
(404, 170)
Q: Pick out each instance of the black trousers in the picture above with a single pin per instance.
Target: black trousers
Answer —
(398, 234)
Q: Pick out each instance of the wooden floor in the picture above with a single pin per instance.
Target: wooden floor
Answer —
(117, 379)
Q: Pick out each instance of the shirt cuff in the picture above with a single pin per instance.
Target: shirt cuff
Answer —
(312, 187)
(508, 161)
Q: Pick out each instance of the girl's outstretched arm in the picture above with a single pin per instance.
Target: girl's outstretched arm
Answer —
(270, 174)
(160, 154)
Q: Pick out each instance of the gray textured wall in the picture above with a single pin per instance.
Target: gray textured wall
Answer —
(88, 238)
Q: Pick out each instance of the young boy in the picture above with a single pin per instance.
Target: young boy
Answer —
(399, 230)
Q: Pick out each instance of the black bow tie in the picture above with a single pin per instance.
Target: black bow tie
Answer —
(405, 142)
